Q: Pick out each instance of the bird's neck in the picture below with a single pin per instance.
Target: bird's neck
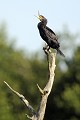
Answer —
(43, 23)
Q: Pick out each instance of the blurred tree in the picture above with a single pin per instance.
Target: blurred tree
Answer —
(15, 69)
(23, 73)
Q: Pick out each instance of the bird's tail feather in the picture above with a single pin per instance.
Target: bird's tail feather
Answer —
(59, 51)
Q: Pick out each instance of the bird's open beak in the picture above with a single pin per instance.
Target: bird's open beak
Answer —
(38, 15)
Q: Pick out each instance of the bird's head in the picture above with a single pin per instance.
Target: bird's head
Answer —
(40, 17)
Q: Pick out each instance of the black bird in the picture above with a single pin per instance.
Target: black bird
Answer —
(48, 35)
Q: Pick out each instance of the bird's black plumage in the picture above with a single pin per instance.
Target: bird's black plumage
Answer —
(48, 35)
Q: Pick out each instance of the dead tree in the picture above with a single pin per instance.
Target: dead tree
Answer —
(39, 114)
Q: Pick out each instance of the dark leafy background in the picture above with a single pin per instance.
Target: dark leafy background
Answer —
(23, 71)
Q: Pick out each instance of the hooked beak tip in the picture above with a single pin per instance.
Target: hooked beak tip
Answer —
(38, 13)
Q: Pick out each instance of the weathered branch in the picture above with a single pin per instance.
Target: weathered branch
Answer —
(51, 67)
(39, 115)
(22, 98)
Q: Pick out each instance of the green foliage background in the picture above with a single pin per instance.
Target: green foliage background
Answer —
(23, 73)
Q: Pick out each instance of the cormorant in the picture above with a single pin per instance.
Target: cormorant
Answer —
(48, 35)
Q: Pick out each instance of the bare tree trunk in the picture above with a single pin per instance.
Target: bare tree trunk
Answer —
(39, 114)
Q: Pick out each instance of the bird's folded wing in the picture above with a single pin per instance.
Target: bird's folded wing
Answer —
(50, 30)
(50, 35)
